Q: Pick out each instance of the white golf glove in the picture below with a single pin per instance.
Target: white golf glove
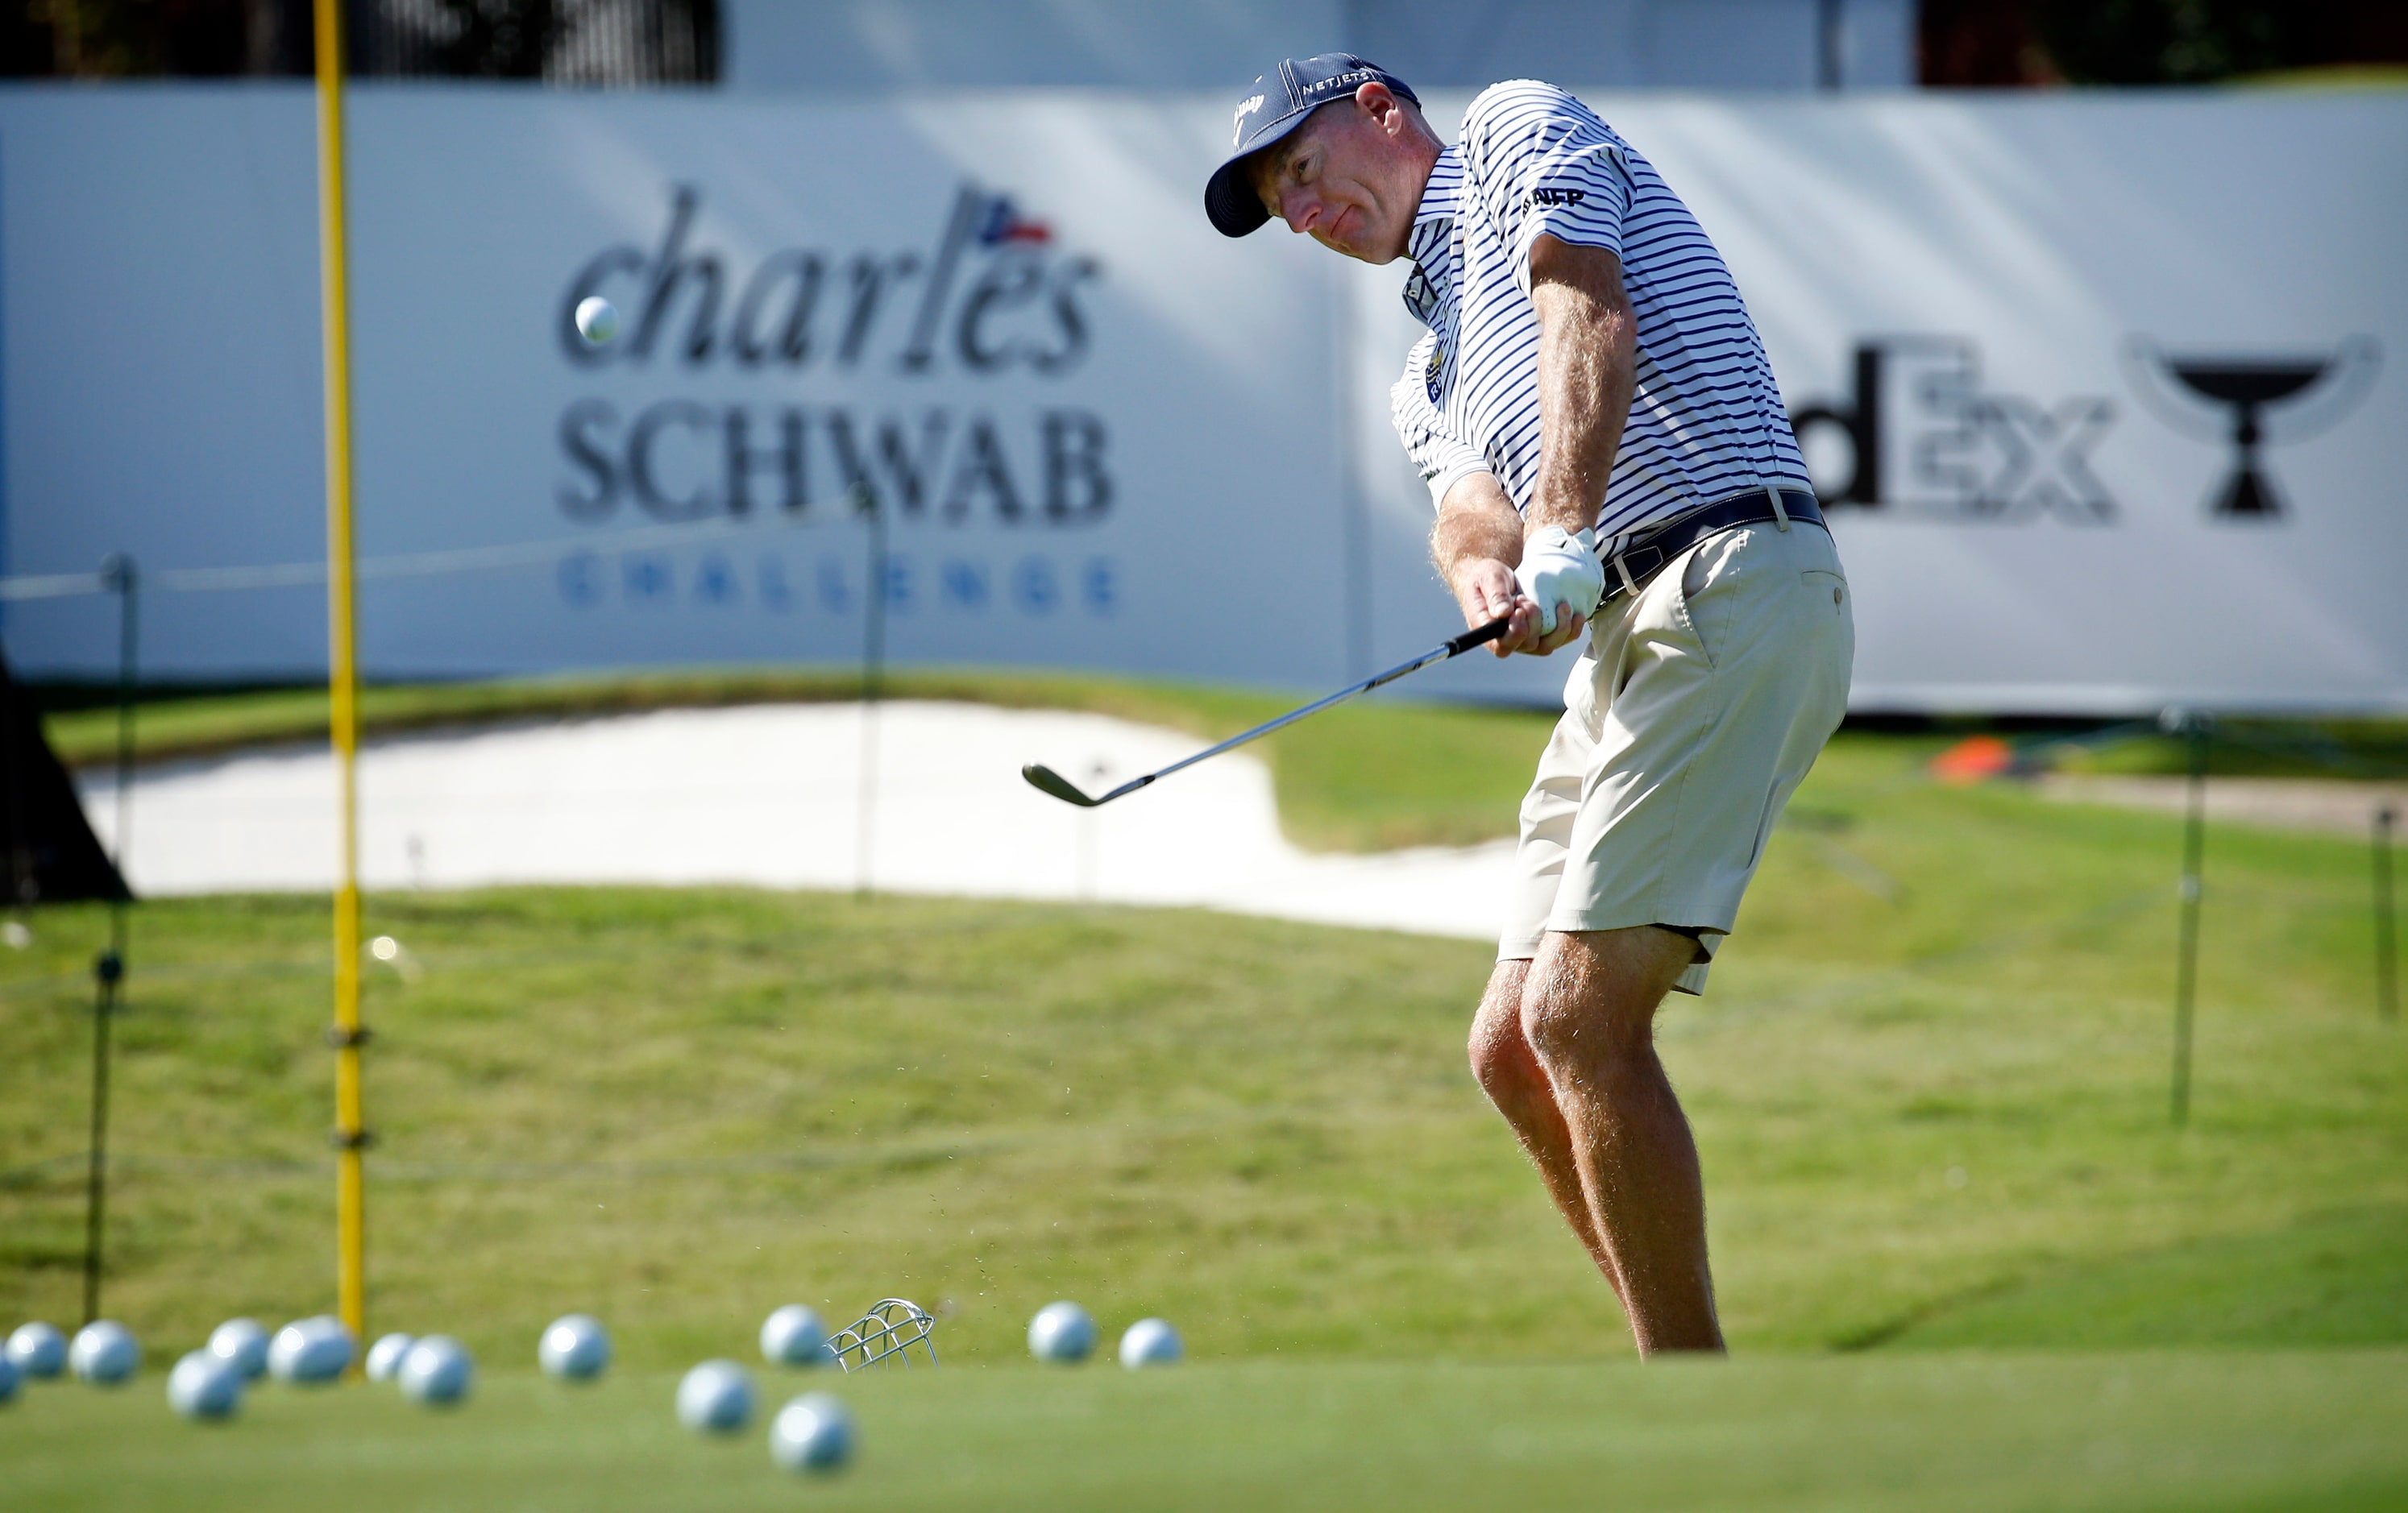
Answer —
(1558, 567)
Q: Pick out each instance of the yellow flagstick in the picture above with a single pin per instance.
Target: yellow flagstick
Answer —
(351, 1134)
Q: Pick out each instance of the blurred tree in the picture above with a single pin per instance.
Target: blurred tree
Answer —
(584, 42)
(2042, 42)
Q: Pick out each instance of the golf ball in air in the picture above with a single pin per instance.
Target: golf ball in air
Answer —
(597, 319)
(794, 1336)
(813, 1433)
(384, 1357)
(104, 1354)
(575, 1348)
(1061, 1334)
(1149, 1342)
(715, 1398)
(204, 1385)
(242, 1344)
(310, 1351)
(37, 1350)
(436, 1371)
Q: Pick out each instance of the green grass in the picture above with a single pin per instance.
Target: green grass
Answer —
(2331, 750)
(1928, 1083)
(1965, 1433)
(1377, 775)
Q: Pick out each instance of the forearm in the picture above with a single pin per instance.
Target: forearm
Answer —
(1476, 523)
(1587, 371)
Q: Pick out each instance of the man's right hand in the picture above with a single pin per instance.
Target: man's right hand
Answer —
(1477, 545)
(1485, 588)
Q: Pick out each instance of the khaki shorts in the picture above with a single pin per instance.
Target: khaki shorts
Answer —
(1688, 722)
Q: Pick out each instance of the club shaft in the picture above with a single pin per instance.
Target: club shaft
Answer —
(1479, 636)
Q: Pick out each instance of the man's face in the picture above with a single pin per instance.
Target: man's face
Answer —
(1350, 178)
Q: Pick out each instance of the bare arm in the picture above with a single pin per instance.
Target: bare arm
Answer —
(1588, 351)
(1587, 366)
(1477, 545)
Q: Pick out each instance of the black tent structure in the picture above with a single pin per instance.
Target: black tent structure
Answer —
(53, 856)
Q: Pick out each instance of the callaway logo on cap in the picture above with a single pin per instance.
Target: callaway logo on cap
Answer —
(1276, 106)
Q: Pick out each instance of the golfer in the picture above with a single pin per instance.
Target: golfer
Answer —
(1610, 459)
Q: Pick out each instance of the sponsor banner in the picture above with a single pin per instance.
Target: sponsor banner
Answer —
(1089, 434)
(2104, 393)
(2107, 395)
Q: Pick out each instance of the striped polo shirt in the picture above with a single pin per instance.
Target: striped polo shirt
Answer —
(1706, 420)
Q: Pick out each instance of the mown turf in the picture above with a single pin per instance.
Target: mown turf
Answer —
(1964, 1433)
(1929, 1083)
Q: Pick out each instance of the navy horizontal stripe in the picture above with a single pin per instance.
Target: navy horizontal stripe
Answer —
(1706, 420)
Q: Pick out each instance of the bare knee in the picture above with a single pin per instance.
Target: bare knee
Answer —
(1588, 1008)
(1501, 1061)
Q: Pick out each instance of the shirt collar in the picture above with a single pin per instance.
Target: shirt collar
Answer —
(1434, 221)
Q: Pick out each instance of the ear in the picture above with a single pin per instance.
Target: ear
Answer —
(1378, 101)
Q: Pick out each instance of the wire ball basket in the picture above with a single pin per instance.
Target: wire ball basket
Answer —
(887, 1332)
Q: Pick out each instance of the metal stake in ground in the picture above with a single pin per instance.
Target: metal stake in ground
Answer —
(2194, 844)
(2386, 945)
(873, 678)
(108, 968)
(1045, 780)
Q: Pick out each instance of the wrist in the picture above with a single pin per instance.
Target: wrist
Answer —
(1553, 503)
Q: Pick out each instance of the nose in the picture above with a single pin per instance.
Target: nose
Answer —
(1301, 210)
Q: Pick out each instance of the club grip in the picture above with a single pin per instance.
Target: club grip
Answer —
(1479, 635)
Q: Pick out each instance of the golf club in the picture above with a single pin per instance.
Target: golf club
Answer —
(1046, 780)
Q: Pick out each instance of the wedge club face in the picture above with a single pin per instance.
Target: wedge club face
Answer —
(1046, 781)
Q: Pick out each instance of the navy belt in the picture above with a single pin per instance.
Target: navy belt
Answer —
(1626, 571)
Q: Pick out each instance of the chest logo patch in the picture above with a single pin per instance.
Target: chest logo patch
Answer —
(1432, 369)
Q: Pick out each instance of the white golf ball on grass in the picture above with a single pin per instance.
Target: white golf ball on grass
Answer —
(310, 1352)
(37, 1350)
(597, 319)
(794, 1336)
(575, 1348)
(436, 1371)
(1149, 1342)
(241, 1343)
(1061, 1334)
(384, 1357)
(715, 1398)
(204, 1385)
(811, 1433)
(104, 1354)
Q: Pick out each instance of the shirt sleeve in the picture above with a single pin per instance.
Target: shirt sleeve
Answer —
(1443, 457)
(1543, 163)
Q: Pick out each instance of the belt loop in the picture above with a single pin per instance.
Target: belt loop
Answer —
(1623, 568)
(1780, 516)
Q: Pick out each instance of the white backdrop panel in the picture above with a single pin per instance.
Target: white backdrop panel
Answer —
(2038, 525)
(2023, 335)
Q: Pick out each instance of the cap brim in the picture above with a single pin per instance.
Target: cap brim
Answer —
(1229, 197)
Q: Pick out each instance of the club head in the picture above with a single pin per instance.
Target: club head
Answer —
(1046, 781)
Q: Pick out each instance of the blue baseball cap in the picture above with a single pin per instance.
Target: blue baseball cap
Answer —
(1276, 106)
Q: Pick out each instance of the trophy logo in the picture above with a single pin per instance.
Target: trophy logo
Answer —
(2251, 401)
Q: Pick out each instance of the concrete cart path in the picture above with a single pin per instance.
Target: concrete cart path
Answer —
(772, 795)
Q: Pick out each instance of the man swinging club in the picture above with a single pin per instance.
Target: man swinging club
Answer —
(1607, 453)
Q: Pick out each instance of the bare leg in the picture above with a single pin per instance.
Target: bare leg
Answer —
(1588, 1014)
(1510, 1074)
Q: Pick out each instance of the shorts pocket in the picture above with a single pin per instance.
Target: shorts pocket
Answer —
(1710, 574)
(1826, 586)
